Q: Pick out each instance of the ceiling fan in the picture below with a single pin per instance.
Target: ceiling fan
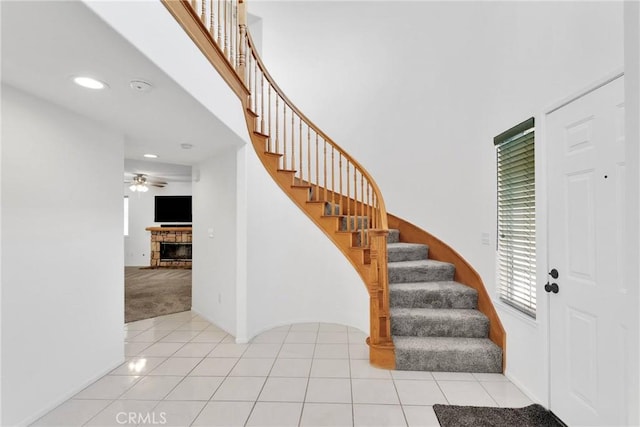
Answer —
(140, 182)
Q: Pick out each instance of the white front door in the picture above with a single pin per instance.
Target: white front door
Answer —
(586, 206)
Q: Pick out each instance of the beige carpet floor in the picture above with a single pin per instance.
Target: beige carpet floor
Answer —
(151, 293)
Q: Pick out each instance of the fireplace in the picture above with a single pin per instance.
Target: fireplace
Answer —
(175, 251)
(170, 247)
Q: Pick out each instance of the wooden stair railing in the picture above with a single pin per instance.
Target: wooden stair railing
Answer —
(320, 176)
(329, 185)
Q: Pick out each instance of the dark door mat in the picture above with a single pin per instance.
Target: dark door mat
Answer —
(475, 416)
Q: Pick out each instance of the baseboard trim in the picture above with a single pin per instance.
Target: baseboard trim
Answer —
(216, 324)
(526, 391)
(558, 420)
(59, 401)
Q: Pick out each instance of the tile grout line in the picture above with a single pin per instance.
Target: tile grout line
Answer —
(163, 399)
(255, 402)
(129, 388)
(221, 382)
(306, 390)
(441, 390)
(490, 395)
(168, 358)
(353, 409)
(395, 387)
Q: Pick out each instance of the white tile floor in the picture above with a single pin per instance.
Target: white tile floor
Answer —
(181, 371)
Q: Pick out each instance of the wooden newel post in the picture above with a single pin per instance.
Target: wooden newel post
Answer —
(380, 344)
(242, 47)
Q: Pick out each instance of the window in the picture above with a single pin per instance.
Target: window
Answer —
(516, 217)
(126, 215)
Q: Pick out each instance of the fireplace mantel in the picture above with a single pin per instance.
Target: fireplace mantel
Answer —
(169, 236)
(189, 229)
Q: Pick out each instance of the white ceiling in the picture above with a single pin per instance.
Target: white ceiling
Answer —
(169, 172)
(45, 43)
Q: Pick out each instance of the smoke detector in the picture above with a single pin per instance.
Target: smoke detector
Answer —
(140, 86)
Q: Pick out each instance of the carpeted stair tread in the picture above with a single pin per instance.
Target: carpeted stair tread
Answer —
(353, 223)
(444, 354)
(426, 270)
(428, 322)
(397, 252)
(331, 209)
(432, 295)
(435, 323)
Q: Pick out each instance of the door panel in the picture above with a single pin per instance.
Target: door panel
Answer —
(580, 226)
(586, 207)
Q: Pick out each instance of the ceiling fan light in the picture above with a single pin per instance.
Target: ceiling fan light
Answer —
(138, 186)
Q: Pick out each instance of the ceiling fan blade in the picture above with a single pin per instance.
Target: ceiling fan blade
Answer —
(157, 185)
(156, 182)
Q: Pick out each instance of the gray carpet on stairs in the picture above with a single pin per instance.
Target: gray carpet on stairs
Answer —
(445, 354)
(427, 322)
(394, 236)
(407, 252)
(432, 295)
(353, 222)
(426, 270)
(435, 323)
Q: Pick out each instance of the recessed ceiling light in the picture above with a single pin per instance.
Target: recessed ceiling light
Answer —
(151, 156)
(89, 82)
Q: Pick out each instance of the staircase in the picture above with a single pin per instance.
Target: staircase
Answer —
(422, 316)
(435, 323)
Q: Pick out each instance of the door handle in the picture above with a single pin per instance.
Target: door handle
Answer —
(554, 273)
(553, 287)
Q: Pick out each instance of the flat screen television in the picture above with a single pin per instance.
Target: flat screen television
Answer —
(172, 209)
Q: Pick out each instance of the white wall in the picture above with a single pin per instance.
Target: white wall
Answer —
(1, 377)
(416, 91)
(632, 139)
(267, 264)
(137, 246)
(215, 240)
(295, 274)
(62, 281)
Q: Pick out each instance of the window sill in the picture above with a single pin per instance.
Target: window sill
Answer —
(516, 314)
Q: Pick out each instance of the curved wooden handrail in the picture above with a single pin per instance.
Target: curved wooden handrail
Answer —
(464, 274)
(367, 213)
(384, 225)
(218, 27)
(352, 215)
(188, 18)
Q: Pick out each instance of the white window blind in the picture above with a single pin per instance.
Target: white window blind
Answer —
(516, 217)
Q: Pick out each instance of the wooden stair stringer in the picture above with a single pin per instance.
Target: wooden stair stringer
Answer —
(190, 20)
(464, 273)
(299, 194)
